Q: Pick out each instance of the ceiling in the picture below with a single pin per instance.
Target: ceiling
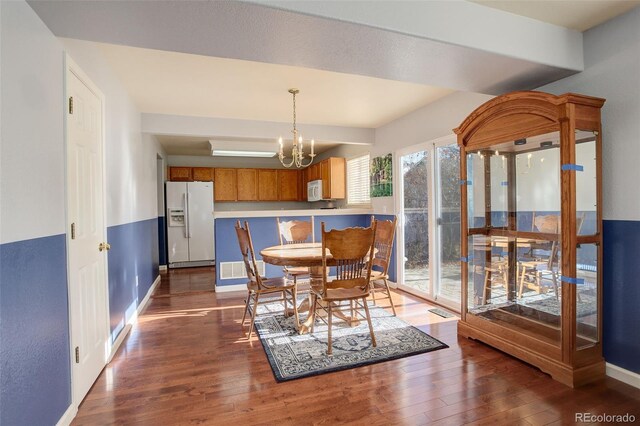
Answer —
(175, 83)
(579, 15)
(236, 59)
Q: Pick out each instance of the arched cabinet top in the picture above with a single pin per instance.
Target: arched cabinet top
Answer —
(521, 114)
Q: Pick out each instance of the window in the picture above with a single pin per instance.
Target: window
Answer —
(358, 180)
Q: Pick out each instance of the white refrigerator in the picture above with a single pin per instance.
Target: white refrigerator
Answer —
(190, 239)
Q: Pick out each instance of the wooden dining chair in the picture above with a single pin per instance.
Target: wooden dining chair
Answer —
(351, 251)
(544, 268)
(258, 286)
(295, 232)
(378, 282)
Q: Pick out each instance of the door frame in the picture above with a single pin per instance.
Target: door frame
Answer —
(71, 66)
(433, 192)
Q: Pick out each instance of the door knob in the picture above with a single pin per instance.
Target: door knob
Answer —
(104, 246)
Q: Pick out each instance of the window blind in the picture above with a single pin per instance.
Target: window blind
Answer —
(358, 180)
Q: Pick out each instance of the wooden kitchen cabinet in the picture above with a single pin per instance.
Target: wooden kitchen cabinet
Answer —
(202, 174)
(303, 178)
(225, 185)
(313, 172)
(180, 174)
(267, 185)
(333, 175)
(288, 185)
(247, 181)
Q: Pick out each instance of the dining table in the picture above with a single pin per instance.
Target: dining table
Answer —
(304, 255)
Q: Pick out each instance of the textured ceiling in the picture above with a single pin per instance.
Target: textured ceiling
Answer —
(184, 84)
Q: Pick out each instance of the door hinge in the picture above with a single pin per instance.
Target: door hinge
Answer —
(70, 104)
(73, 231)
(77, 354)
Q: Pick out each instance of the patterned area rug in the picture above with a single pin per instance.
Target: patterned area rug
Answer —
(293, 356)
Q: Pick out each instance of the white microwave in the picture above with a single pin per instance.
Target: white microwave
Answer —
(314, 190)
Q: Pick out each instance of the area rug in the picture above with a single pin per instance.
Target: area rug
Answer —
(293, 356)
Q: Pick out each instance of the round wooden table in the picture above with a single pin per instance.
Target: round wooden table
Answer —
(306, 255)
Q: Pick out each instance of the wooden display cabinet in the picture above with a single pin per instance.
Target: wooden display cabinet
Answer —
(531, 227)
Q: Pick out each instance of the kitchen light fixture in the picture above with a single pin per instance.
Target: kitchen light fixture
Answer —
(297, 152)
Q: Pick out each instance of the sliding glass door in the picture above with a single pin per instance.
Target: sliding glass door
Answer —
(415, 220)
(447, 211)
(429, 237)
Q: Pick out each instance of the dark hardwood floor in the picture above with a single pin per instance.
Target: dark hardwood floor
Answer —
(187, 361)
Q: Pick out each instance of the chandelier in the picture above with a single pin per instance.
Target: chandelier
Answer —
(297, 152)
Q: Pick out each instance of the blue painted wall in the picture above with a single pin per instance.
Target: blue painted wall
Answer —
(264, 234)
(162, 241)
(35, 376)
(621, 294)
(133, 267)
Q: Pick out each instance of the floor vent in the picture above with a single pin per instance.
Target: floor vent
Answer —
(231, 270)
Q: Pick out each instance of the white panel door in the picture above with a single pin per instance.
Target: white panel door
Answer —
(177, 238)
(87, 261)
(200, 223)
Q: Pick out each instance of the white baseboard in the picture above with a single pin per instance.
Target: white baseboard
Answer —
(626, 376)
(392, 284)
(163, 267)
(234, 287)
(145, 301)
(68, 416)
(116, 345)
(127, 328)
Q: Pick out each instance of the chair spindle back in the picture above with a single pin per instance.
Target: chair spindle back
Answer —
(352, 251)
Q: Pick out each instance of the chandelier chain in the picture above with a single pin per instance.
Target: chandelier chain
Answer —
(294, 111)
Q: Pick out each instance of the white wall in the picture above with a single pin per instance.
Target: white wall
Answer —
(431, 122)
(32, 159)
(612, 71)
(130, 156)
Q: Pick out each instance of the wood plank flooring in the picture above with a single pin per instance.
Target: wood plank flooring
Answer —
(188, 362)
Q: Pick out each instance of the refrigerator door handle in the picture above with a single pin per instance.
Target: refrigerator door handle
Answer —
(186, 214)
(189, 215)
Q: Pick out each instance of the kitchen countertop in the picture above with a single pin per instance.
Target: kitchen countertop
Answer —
(290, 213)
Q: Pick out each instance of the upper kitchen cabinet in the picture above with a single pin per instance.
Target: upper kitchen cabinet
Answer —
(313, 172)
(333, 175)
(288, 185)
(180, 174)
(267, 185)
(247, 184)
(303, 179)
(202, 174)
(225, 186)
